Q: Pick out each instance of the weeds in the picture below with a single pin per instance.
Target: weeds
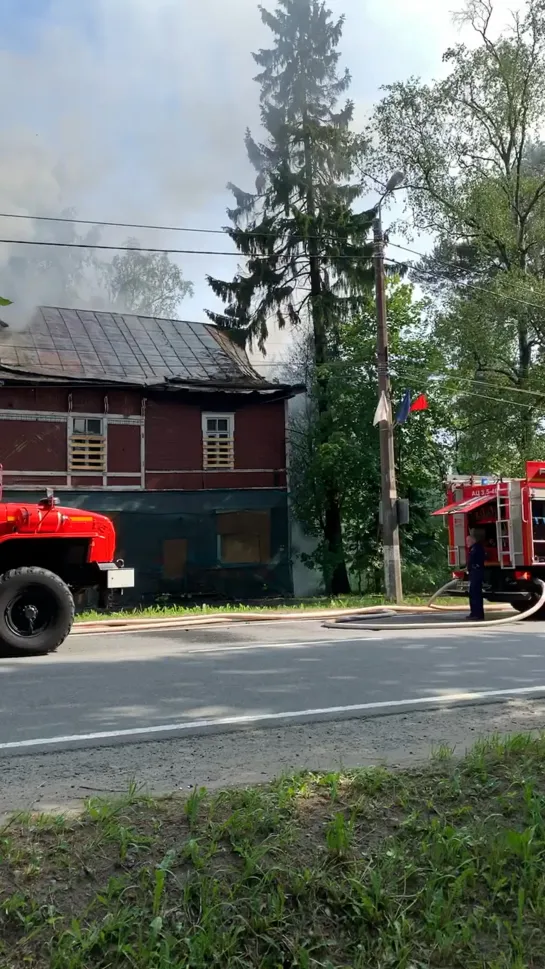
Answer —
(178, 610)
(442, 868)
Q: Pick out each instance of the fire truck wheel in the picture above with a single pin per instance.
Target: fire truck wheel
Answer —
(36, 611)
(524, 606)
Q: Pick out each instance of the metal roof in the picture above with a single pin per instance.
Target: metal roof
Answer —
(83, 345)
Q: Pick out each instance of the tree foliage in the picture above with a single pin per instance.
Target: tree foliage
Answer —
(306, 249)
(471, 147)
(422, 456)
(72, 274)
(145, 283)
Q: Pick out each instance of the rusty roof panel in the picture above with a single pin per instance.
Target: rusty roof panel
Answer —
(86, 345)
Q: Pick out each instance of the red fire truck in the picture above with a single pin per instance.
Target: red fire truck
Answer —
(510, 516)
(47, 555)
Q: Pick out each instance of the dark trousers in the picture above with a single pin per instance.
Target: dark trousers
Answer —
(476, 601)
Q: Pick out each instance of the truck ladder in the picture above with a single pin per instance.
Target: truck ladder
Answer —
(509, 526)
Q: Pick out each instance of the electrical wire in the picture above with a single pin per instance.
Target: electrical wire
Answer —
(160, 228)
(470, 285)
(430, 374)
(238, 255)
(352, 257)
(259, 234)
(115, 225)
(218, 252)
(467, 393)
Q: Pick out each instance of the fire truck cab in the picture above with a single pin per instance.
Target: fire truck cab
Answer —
(509, 514)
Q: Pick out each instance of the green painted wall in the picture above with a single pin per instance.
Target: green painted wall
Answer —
(146, 520)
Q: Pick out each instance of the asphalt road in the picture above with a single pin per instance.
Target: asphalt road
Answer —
(116, 688)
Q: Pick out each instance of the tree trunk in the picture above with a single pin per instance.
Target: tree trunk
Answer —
(335, 572)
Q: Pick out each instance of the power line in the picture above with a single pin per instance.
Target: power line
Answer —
(86, 245)
(221, 252)
(115, 225)
(160, 228)
(482, 289)
(430, 374)
(191, 252)
(467, 393)
(417, 374)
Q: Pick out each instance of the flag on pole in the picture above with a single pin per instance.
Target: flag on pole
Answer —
(382, 412)
(404, 408)
(421, 403)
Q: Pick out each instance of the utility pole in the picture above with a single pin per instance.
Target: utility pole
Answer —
(390, 528)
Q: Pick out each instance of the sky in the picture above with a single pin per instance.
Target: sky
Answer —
(135, 110)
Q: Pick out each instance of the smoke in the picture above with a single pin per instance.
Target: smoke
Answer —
(135, 111)
(121, 110)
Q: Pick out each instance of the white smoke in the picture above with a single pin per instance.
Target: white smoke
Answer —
(135, 110)
(122, 110)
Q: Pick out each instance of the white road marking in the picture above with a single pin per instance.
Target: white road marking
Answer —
(256, 719)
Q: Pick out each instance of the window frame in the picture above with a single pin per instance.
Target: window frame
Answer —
(211, 437)
(87, 469)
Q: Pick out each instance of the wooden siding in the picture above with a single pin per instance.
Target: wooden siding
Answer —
(152, 444)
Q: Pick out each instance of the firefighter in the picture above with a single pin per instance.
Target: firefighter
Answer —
(475, 567)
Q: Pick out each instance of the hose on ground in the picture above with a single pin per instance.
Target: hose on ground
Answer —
(132, 624)
(185, 622)
(377, 626)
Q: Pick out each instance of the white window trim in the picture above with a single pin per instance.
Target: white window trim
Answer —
(225, 459)
(88, 469)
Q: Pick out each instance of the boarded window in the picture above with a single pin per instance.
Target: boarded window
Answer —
(218, 442)
(244, 537)
(87, 445)
(174, 558)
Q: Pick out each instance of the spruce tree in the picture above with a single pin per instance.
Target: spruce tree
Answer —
(308, 259)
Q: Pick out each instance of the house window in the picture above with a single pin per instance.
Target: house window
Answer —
(87, 445)
(218, 441)
(244, 537)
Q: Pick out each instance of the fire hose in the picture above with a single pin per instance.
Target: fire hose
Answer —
(366, 621)
(333, 618)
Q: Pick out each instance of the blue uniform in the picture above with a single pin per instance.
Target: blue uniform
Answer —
(475, 567)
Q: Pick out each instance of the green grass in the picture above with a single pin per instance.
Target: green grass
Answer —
(173, 611)
(442, 867)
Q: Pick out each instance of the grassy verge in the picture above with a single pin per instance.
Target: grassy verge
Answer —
(442, 867)
(173, 611)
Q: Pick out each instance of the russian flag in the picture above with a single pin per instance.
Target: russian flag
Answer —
(406, 408)
(421, 403)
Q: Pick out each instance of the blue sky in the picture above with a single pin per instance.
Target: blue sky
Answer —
(135, 110)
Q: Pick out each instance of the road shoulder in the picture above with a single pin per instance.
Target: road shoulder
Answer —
(62, 780)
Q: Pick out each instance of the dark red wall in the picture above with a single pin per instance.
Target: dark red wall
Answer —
(173, 438)
(173, 435)
(87, 400)
(174, 444)
(123, 448)
(260, 436)
(32, 446)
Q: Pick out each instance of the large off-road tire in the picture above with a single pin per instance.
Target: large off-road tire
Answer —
(36, 611)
